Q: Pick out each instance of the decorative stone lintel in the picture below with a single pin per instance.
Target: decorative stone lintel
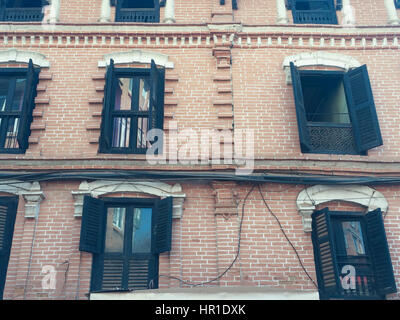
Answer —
(102, 187)
(32, 205)
(137, 56)
(319, 58)
(78, 202)
(309, 198)
(31, 192)
(20, 56)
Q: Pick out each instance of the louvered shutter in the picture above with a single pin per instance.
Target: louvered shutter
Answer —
(156, 110)
(27, 107)
(93, 225)
(162, 226)
(324, 254)
(8, 210)
(379, 250)
(109, 95)
(360, 102)
(304, 135)
(142, 273)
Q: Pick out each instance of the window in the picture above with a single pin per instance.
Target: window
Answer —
(133, 105)
(346, 241)
(137, 11)
(17, 101)
(22, 10)
(125, 236)
(314, 11)
(397, 4)
(335, 111)
(8, 211)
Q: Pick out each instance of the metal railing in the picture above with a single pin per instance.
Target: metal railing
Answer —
(21, 14)
(137, 15)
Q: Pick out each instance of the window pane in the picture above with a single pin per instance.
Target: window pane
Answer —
(115, 230)
(141, 231)
(144, 96)
(121, 130)
(12, 133)
(353, 238)
(18, 95)
(142, 132)
(138, 4)
(123, 94)
(4, 84)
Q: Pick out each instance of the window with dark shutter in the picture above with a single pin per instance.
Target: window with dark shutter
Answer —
(22, 10)
(397, 4)
(335, 111)
(17, 101)
(131, 233)
(137, 11)
(133, 105)
(8, 210)
(314, 11)
(351, 254)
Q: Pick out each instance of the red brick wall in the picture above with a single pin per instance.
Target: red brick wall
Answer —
(203, 245)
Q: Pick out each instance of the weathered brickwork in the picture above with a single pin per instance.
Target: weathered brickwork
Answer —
(226, 73)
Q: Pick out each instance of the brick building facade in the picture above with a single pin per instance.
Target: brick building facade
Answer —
(245, 66)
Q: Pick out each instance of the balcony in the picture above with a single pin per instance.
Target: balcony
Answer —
(21, 14)
(137, 15)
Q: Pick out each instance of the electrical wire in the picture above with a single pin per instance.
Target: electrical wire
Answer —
(287, 238)
(233, 261)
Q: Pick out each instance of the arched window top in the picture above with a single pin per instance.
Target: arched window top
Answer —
(137, 56)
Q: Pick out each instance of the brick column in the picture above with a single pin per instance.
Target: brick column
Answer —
(227, 225)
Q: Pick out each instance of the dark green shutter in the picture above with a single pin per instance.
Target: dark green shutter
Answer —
(325, 254)
(109, 95)
(142, 273)
(27, 107)
(379, 250)
(304, 135)
(156, 110)
(93, 225)
(162, 226)
(360, 102)
(8, 211)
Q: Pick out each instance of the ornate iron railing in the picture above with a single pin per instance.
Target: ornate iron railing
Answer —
(137, 15)
(314, 17)
(331, 138)
(21, 14)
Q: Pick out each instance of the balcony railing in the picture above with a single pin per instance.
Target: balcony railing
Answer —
(137, 15)
(314, 17)
(331, 138)
(21, 14)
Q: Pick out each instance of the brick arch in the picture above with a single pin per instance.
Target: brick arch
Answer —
(20, 56)
(319, 58)
(309, 198)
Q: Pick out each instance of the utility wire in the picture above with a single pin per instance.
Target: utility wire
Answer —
(287, 238)
(234, 260)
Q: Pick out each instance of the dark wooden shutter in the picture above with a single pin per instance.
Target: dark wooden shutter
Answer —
(8, 210)
(324, 254)
(304, 135)
(27, 107)
(360, 103)
(109, 95)
(156, 112)
(379, 250)
(142, 273)
(162, 225)
(93, 225)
